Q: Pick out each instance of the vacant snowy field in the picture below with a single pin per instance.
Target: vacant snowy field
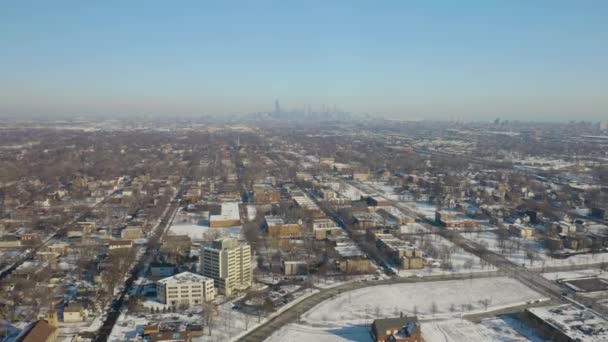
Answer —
(462, 261)
(418, 298)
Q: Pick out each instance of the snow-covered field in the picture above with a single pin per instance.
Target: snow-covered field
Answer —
(516, 252)
(389, 300)
(347, 317)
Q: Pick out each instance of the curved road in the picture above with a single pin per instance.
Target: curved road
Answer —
(292, 314)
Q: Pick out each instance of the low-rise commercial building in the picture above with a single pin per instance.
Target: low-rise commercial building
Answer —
(229, 216)
(185, 289)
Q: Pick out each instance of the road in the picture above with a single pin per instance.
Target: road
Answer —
(292, 314)
(151, 249)
(528, 277)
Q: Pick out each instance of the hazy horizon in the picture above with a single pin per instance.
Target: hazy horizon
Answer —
(470, 60)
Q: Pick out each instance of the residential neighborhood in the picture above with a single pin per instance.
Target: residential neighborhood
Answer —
(246, 233)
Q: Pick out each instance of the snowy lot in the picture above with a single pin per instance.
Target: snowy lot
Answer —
(515, 251)
(389, 300)
(347, 317)
(462, 261)
(594, 272)
(495, 329)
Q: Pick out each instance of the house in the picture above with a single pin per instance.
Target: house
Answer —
(401, 329)
(185, 289)
(40, 330)
(74, 314)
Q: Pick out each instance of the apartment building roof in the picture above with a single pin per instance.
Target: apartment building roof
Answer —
(229, 211)
(348, 250)
(184, 277)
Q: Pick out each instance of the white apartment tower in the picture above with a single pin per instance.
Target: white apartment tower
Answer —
(228, 263)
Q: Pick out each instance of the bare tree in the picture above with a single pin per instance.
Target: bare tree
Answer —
(485, 302)
(208, 316)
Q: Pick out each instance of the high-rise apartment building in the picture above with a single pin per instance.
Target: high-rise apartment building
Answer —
(228, 263)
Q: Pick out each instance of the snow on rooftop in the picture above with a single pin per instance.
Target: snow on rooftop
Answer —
(577, 323)
(229, 211)
(184, 277)
(348, 250)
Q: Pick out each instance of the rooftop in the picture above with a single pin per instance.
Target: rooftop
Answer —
(184, 277)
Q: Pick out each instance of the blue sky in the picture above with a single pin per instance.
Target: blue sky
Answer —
(519, 59)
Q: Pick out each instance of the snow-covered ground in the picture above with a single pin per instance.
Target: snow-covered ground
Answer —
(305, 333)
(593, 272)
(389, 300)
(461, 260)
(347, 317)
(227, 324)
(196, 227)
(516, 252)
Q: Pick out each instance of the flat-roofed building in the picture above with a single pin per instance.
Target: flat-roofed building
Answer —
(351, 258)
(265, 194)
(185, 289)
(325, 228)
(277, 228)
(228, 263)
(521, 231)
(229, 216)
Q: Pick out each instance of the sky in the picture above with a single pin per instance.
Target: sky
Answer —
(515, 59)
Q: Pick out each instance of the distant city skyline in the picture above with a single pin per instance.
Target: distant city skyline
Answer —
(472, 60)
